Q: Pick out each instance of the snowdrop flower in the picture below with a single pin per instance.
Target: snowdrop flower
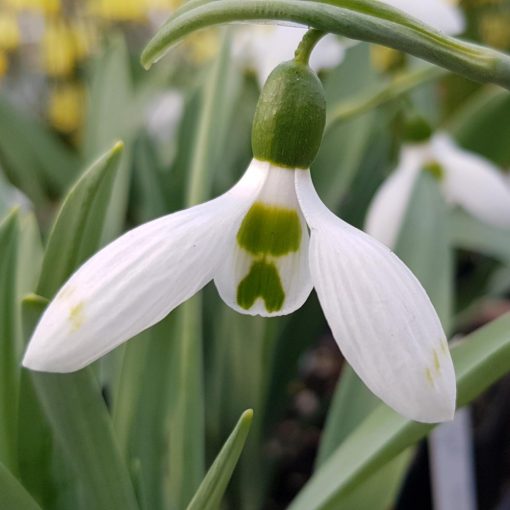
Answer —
(266, 243)
(263, 47)
(466, 180)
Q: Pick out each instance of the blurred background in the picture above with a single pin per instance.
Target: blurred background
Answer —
(71, 84)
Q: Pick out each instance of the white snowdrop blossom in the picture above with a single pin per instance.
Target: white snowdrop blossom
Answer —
(266, 243)
(466, 180)
(254, 242)
(263, 47)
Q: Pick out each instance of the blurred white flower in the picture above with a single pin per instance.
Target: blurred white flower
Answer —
(164, 114)
(442, 15)
(263, 47)
(466, 179)
(254, 242)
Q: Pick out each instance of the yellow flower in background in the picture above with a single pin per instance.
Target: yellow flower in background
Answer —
(494, 29)
(85, 37)
(202, 46)
(66, 107)
(9, 31)
(4, 63)
(45, 6)
(119, 10)
(58, 48)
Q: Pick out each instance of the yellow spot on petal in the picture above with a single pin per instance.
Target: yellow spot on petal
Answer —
(76, 316)
(429, 377)
(444, 346)
(437, 364)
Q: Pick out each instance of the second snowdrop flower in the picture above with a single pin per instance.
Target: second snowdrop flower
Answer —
(266, 243)
(466, 180)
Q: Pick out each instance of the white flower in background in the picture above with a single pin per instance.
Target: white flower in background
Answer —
(164, 114)
(263, 47)
(466, 179)
(443, 15)
(266, 243)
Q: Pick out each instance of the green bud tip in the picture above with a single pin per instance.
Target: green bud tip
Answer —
(290, 117)
(416, 129)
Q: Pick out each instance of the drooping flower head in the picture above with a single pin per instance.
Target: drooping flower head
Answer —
(266, 243)
(465, 179)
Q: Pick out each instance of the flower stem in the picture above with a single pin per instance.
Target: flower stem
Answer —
(307, 44)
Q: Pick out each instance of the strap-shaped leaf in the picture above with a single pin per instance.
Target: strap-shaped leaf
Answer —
(480, 360)
(12, 493)
(211, 490)
(366, 20)
(9, 231)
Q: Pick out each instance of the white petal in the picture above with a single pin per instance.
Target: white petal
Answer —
(265, 47)
(388, 207)
(439, 14)
(379, 314)
(473, 183)
(137, 280)
(273, 280)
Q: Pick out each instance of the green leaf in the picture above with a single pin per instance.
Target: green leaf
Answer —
(187, 437)
(380, 94)
(43, 168)
(81, 424)
(365, 20)
(113, 114)
(14, 496)
(344, 145)
(77, 230)
(481, 125)
(469, 233)
(351, 404)
(75, 235)
(424, 244)
(480, 359)
(213, 486)
(9, 233)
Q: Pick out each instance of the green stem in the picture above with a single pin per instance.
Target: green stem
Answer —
(307, 44)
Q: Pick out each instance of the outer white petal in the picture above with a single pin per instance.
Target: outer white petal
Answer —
(473, 183)
(136, 281)
(387, 209)
(292, 268)
(440, 14)
(264, 47)
(379, 314)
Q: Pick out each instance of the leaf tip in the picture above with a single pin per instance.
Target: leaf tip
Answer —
(118, 146)
(247, 415)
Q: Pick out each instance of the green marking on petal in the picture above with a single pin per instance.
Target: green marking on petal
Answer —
(270, 230)
(435, 169)
(263, 281)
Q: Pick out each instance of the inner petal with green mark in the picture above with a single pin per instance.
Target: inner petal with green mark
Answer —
(266, 270)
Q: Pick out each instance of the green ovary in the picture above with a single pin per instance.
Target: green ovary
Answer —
(270, 230)
(263, 281)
